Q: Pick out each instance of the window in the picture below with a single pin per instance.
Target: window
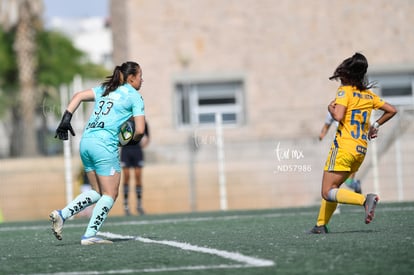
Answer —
(199, 101)
(396, 88)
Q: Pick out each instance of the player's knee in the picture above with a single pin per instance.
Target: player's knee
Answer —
(324, 195)
(330, 194)
(115, 195)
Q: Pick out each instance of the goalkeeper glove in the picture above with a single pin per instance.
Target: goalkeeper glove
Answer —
(64, 127)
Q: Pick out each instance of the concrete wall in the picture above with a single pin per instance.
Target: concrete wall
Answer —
(31, 188)
(285, 50)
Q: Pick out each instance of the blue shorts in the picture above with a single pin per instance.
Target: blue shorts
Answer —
(100, 157)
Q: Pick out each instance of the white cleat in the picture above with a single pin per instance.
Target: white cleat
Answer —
(337, 210)
(57, 224)
(94, 240)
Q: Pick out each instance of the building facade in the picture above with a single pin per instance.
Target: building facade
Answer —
(260, 68)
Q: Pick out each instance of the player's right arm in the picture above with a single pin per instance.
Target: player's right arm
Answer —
(64, 126)
(324, 131)
(86, 95)
(337, 111)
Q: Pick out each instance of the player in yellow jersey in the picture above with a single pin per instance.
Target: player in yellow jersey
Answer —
(352, 108)
(351, 182)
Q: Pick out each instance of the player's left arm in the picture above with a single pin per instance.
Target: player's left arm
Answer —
(139, 127)
(389, 112)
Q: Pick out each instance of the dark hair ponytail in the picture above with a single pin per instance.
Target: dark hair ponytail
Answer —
(119, 76)
(352, 72)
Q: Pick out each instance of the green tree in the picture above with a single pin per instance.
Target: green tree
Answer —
(8, 72)
(58, 61)
(24, 18)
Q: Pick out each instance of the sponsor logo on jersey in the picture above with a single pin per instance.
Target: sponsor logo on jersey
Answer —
(361, 149)
(364, 96)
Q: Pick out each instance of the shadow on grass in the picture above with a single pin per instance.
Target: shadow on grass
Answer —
(77, 243)
(116, 240)
(370, 231)
(354, 231)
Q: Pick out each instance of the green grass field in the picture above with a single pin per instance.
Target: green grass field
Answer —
(235, 242)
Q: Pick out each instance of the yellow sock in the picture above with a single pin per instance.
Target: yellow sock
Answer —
(325, 212)
(349, 197)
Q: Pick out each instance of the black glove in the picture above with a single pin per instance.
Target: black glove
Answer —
(64, 127)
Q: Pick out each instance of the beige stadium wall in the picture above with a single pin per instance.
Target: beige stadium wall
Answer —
(286, 50)
(31, 188)
(256, 177)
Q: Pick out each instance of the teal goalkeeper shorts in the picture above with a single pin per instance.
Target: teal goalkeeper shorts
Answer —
(99, 156)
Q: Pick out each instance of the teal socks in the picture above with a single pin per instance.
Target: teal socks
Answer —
(99, 214)
(79, 203)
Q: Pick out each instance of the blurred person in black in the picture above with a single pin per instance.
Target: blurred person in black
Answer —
(132, 156)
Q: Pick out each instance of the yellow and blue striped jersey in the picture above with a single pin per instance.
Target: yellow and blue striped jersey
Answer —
(352, 131)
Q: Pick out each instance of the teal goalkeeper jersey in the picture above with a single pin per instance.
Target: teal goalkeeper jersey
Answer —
(111, 111)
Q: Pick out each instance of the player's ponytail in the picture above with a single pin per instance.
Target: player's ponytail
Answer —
(352, 72)
(119, 76)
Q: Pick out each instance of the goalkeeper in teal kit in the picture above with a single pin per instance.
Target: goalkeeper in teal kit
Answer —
(116, 100)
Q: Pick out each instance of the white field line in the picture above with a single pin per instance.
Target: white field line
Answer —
(184, 268)
(243, 260)
(234, 256)
(168, 221)
(200, 219)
